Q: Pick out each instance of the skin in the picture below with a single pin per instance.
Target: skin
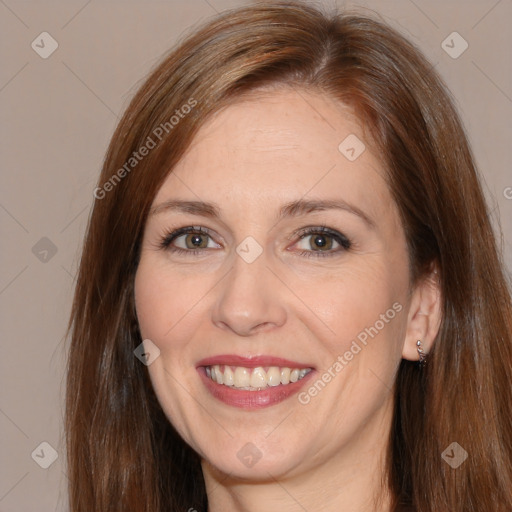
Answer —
(250, 159)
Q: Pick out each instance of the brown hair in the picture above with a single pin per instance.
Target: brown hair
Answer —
(123, 454)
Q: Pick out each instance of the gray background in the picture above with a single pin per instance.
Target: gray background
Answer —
(58, 115)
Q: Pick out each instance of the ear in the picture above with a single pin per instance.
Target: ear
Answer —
(424, 317)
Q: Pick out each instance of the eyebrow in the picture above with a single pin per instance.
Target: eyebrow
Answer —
(192, 207)
(292, 209)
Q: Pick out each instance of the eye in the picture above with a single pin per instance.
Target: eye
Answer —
(322, 241)
(190, 239)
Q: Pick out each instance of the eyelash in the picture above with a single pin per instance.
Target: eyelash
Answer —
(342, 240)
(187, 230)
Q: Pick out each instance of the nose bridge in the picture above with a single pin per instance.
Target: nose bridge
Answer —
(248, 298)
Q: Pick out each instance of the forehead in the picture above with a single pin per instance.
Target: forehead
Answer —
(279, 146)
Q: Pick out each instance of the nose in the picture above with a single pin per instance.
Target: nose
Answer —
(250, 299)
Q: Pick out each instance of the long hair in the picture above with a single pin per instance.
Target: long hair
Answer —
(122, 452)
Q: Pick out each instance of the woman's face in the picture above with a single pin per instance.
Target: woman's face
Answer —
(274, 281)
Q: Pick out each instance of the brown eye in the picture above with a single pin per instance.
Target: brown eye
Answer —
(320, 242)
(189, 239)
(196, 241)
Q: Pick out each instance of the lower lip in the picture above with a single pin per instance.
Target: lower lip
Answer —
(244, 399)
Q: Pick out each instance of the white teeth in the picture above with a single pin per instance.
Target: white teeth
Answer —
(229, 376)
(242, 377)
(254, 378)
(273, 376)
(219, 375)
(258, 378)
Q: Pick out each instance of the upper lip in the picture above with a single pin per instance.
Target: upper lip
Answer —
(251, 361)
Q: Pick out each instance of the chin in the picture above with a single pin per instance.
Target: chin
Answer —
(246, 460)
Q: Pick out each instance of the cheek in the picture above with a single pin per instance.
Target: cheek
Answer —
(168, 310)
(152, 300)
(357, 296)
(163, 300)
(364, 303)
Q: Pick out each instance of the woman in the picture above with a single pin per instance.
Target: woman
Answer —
(290, 292)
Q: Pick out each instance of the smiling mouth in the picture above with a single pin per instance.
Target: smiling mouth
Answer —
(254, 379)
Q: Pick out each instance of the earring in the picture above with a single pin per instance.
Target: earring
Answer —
(421, 352)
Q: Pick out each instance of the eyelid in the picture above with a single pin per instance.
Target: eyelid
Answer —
(169, 236)
(341, 238)
(345, 244)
